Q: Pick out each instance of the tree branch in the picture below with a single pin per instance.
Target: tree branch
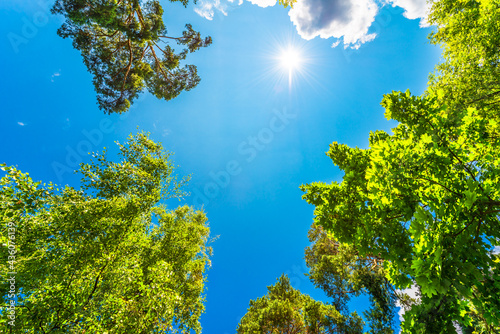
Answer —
(466, 226)
(469, 171)
(158, 64)
(129, 65)
(485, 97)
(177, 38)
(439, 184)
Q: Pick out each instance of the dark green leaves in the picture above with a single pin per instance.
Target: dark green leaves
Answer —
(341, 273)
(124, 46)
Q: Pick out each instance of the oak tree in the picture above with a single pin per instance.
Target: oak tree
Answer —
(426, 198)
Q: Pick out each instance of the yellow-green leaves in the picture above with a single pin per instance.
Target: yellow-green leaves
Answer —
(286, 3)
(286, 310)
(109, 257)
(469, 33)
(424, 199)
(470, 194)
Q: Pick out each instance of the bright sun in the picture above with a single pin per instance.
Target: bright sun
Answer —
(290, 59)
(290, 62)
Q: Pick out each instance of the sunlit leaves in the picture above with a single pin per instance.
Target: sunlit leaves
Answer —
(286, 3)
(108, 257)
(469, 32)
(286, 310)
(424, 199)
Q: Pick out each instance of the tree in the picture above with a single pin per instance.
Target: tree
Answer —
(426, 200)
(124, 46)
(341, 272)
(108, 257)
(286, 3)
(469, 33)
(286, 310)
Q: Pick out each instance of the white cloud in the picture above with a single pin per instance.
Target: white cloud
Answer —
(414, 9)
(21, 123)
(412, 292)
(496, 250)
(346, 19)
(263, 3)
(457, 327)
(206, 8)
(56, 74)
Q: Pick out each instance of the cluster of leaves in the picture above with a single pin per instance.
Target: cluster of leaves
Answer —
(286, 310)
(123, 44)
(469, 34)
(340, 271)
(286, 3)
(426, 199)
(108, 257)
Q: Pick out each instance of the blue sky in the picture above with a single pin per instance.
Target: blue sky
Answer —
(247, 137)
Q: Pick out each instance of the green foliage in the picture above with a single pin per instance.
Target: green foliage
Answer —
(108, 258)
(286, 3)
(123, 44)
(339, 271)
(469, 32)
(286, 310)
(426, 199)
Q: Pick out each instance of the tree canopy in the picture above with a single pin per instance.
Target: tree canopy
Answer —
(286, 310)
(468, 32)
(286, 3)
(420, 206)
(108, 257)
(426, 198)
(124, 45)
(342, 273)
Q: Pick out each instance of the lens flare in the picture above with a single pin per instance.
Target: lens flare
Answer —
(290, 59)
